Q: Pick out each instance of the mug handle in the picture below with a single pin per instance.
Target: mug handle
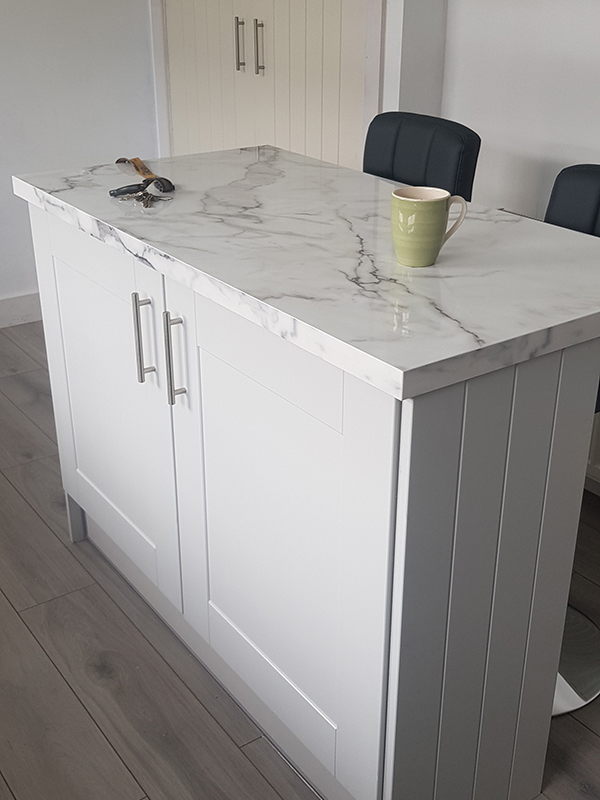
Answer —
(463, 213)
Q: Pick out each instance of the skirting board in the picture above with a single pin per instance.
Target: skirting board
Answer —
(19, 309)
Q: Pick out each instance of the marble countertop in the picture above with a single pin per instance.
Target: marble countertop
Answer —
(304, 249)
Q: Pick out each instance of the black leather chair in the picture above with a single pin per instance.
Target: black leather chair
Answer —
(575, 199)
(422, 151)
(575, 204)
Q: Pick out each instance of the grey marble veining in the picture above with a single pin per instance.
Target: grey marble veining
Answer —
(304, 249)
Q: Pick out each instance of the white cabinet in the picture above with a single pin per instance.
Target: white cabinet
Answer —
(287, 73)
(122, 470)
(245, 502)
(299, 463)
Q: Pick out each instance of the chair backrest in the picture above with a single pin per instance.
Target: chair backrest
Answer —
(575, 199)
(422, 151)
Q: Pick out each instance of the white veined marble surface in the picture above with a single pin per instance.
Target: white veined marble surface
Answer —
(304, 249)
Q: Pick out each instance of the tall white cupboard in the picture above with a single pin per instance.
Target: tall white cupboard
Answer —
(302, 75)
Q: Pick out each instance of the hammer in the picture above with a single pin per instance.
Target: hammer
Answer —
(162, 184)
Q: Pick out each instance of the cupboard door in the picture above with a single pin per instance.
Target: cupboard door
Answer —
(263, 62)
(309, 98)
(125, 477)
(299, 466)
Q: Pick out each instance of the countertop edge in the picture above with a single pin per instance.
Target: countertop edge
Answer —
(401, 384)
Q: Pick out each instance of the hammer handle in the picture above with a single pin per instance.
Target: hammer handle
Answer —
(139, 167)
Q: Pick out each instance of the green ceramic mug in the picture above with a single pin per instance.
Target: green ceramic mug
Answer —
(419, 222)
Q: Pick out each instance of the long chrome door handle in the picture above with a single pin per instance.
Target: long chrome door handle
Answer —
(236, 32)
(142, 371)
(168, 323)
(257, 65)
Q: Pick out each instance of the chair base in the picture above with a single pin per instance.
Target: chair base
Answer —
(578, 680)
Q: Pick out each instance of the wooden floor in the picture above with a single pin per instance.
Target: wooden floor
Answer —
(98, 699)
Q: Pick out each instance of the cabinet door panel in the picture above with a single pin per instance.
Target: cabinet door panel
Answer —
(122, 428)
(299, 517)
(298, 76)
(271, 568)
(332, 17)
(189, 459)
(263, 84)
(314, 78)
(312, 384)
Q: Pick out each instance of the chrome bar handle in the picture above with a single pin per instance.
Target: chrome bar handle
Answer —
(238, 62)
(142, 371)
(257, 65)
(168, 323)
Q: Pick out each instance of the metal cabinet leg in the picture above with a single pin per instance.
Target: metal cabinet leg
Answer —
(77, 521)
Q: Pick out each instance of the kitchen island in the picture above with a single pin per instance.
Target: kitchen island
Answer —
(352, 488)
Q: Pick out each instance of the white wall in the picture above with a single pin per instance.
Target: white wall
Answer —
(76, 89)
(525, 76)
(414, 42)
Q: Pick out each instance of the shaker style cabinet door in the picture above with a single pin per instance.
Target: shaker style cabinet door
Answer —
(289, 73)
(288, 590)
(121, 427)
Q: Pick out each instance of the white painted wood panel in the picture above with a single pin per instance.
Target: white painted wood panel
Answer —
(44, 262)
(177, 87)
(273, 525)
(429, 461)
(244, 88)
(198, 35)
(275, 688)
(225, 74)
(122, 428)
(570, 443)
(108, 268)
(298, 25)
(536, 386)
(189, 458)
(370, 462)
(352, 86)
(332, 33)
(210, 42)
(296, 375)
(263, 84)
(314, 77)
(281, 55)
(317, 93)
(484, 447)
(298, 594)
(194, 77)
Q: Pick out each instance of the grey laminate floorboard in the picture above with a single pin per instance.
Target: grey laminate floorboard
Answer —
(30, 391)
(32, 570)
(30, 338)
(590, 510)
(201, 683)
(5, 792)
(34, 565)
(173, 747)
(573, 762)
(21, 440)
(50, 748)
(13, 359)
(39, 482)
(587, 553)
(277, 771)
